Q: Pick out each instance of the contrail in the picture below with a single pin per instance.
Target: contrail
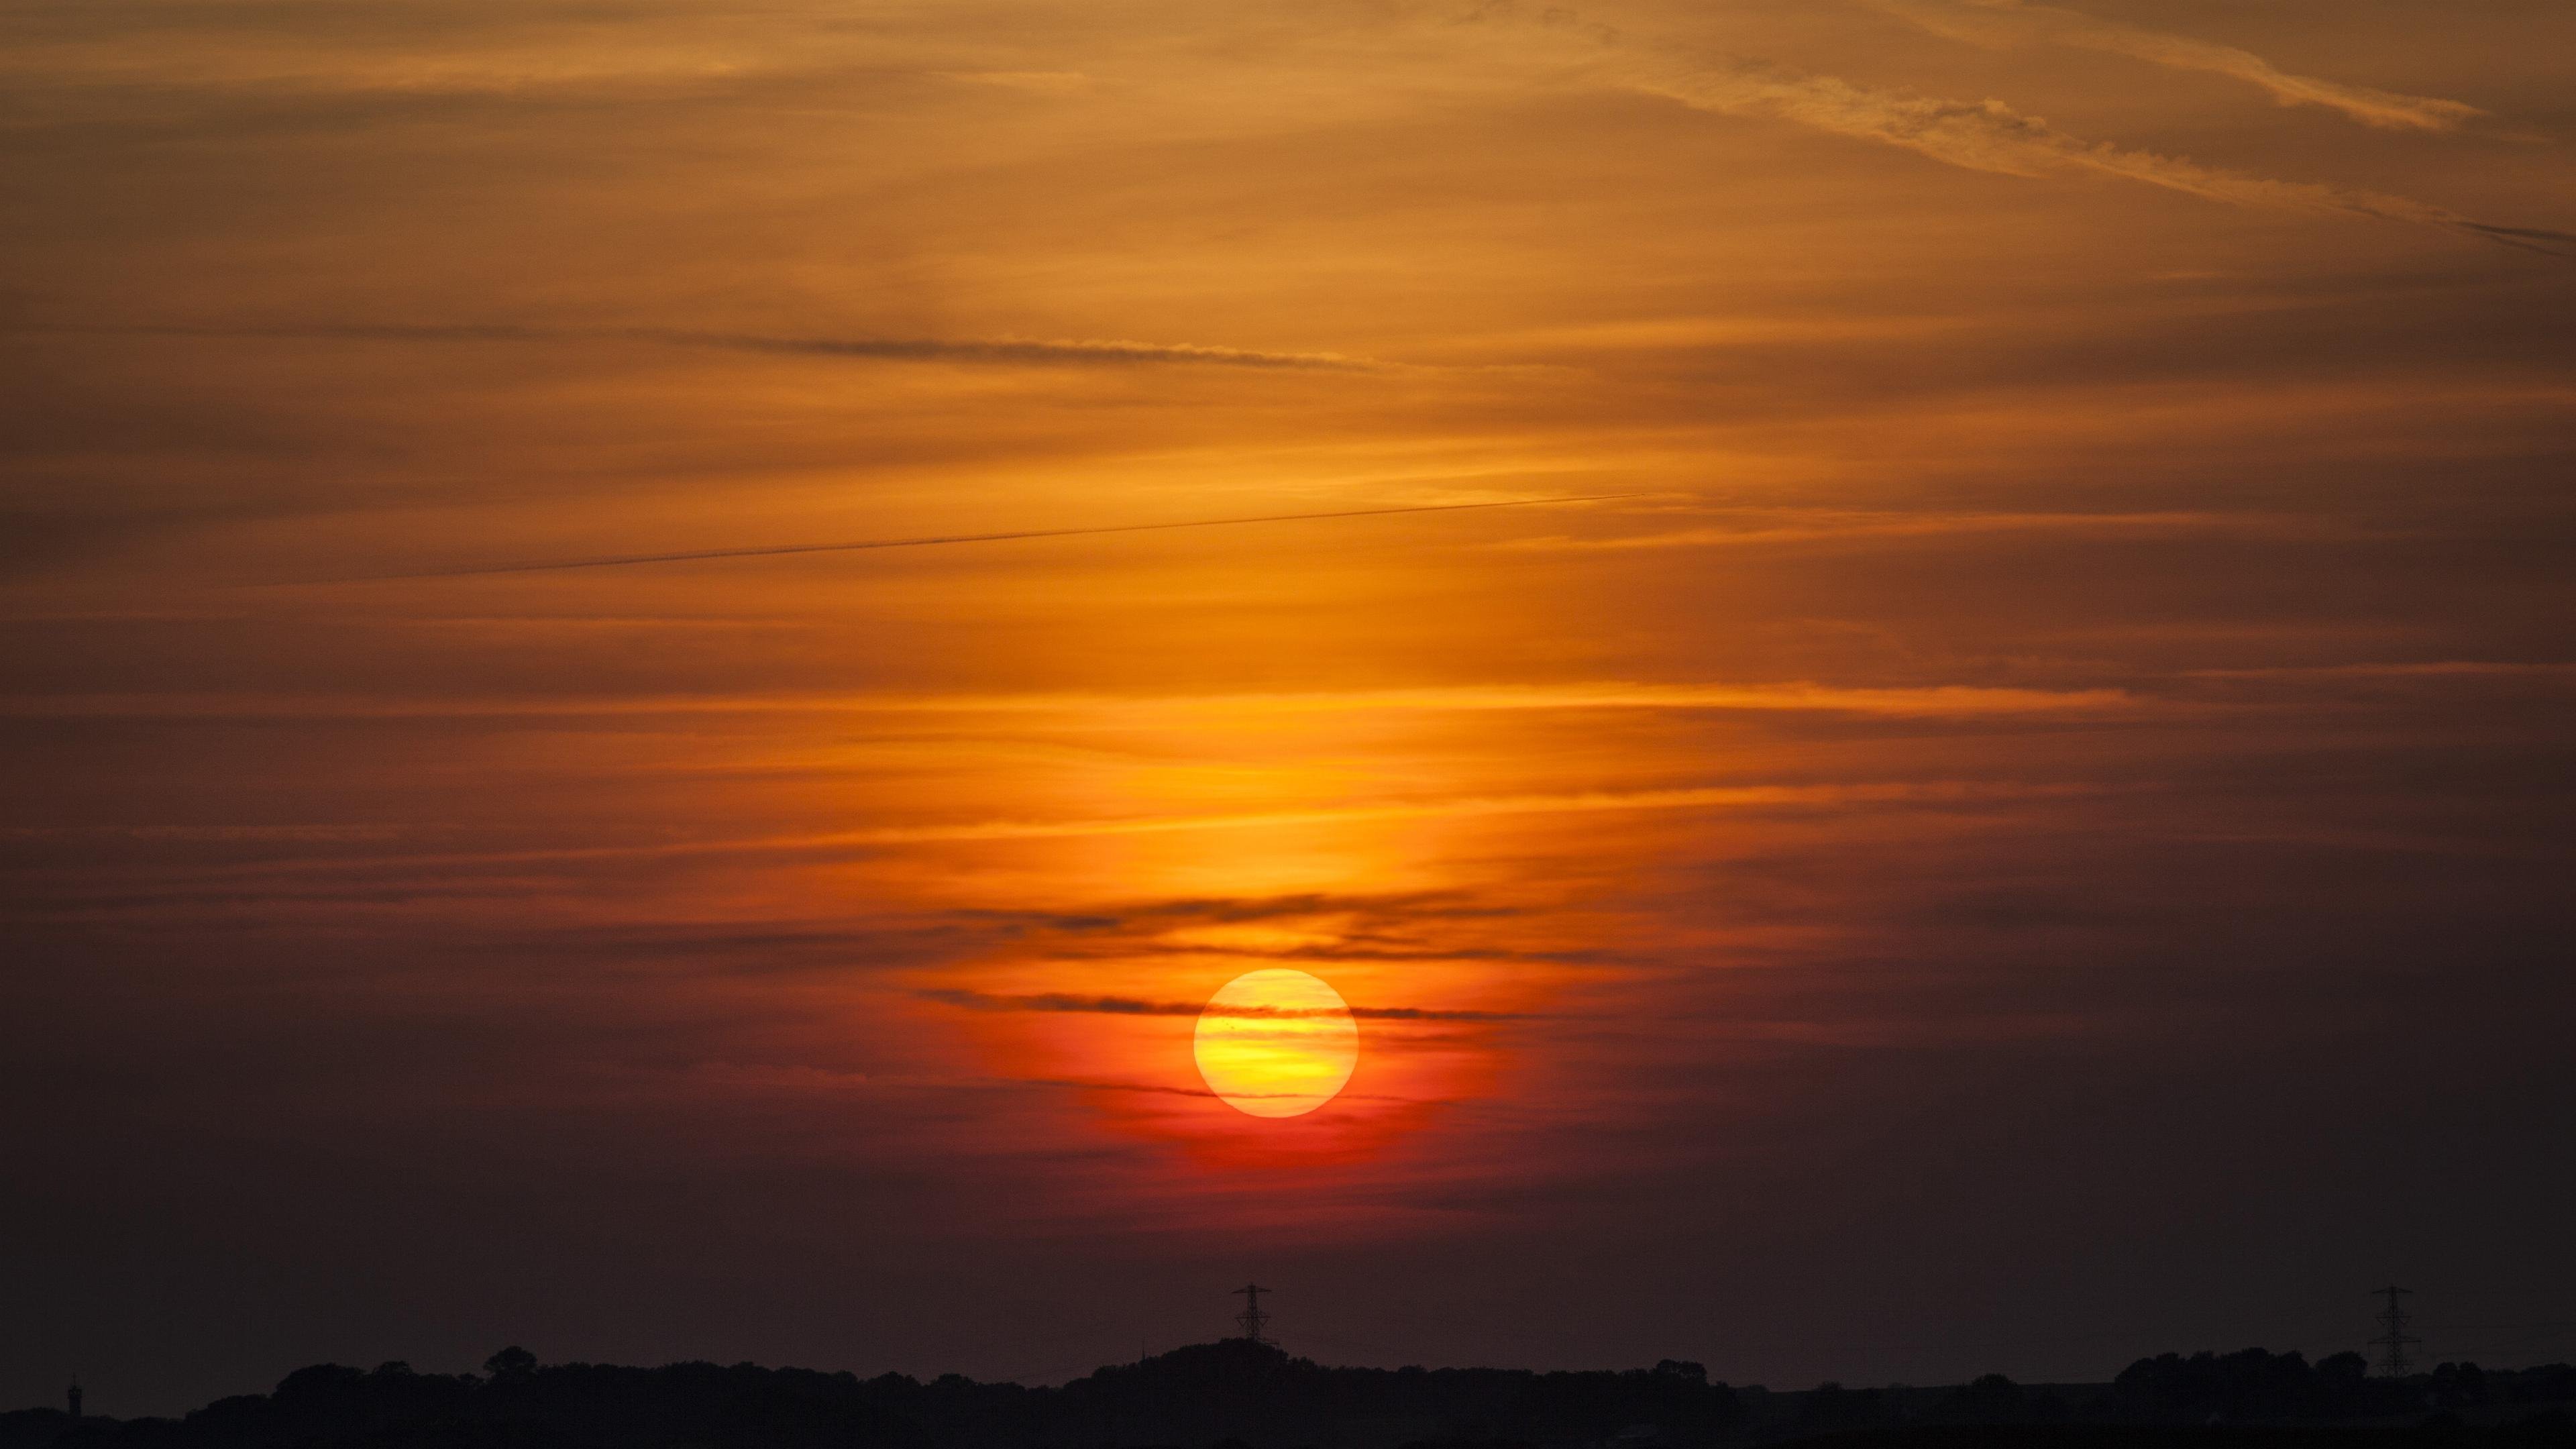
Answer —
(783, 549)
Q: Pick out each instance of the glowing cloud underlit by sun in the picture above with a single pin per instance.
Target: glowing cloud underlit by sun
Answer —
(1276, 1043)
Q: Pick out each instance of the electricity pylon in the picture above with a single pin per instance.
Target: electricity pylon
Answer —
(1252, 1320)
(2396, 1340)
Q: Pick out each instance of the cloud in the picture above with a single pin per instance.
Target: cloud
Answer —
(1233, 910)
(1916, 701)
(2005, 22)
(862, 545)
(418, 871)
(1800, 525)
(1988, 135)
(1052, 1001)
(1007, 351)
(2432, 669)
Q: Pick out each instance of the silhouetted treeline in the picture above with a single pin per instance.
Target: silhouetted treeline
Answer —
(1196, 1397)
(1243, 1395)
(2254, 1385)
(2247, 1388)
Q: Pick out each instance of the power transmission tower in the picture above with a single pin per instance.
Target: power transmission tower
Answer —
(2396, 1340)
(1252, 1319)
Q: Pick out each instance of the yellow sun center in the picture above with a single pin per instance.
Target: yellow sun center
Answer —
(1276, 1043)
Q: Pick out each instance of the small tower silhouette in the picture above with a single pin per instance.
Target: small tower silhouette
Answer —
(2396, 1340)
(1252, 1319)
(74, 1397)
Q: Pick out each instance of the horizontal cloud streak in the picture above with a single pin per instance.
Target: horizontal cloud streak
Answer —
(1938, 794)
(1908, 701)
(1053, 1001)
(1991, 136)
(1768, 526)
(2435, 669)
(1995, 22)
(1015, 352)
(782, 550)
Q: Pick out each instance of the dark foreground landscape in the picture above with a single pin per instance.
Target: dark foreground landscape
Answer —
(1240, 1394)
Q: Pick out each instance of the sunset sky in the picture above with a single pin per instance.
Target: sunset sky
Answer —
(1995, 798)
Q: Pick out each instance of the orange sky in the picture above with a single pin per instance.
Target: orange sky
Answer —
(2030, 831)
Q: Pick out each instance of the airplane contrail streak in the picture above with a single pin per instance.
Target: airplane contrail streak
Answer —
(783, 549)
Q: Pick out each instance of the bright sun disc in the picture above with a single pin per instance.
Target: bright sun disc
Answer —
(1276, 1043)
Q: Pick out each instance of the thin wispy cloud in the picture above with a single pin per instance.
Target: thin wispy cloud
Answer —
(1801, 525)
(1005, 351)
(1163, 1090)
(1910, 701)
(1989, 135)
(925, 541)
(2011, 22)
(1930, 794)
(2431, 669)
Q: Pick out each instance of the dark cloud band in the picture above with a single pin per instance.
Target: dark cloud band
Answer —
(1052, 1001)
(1078, 352)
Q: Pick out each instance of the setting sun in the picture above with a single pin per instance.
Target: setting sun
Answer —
(1277, 1043)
